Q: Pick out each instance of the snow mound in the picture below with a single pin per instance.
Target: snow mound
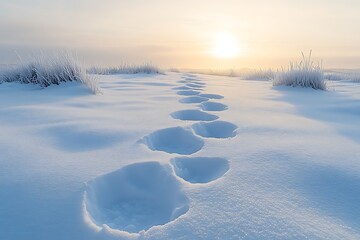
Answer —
(193, 99)
(174, 140)
(188, 92)
(213, 106)
(200, 169)
(193, 115)
(216, 129)
(211, 96)
(135, 198)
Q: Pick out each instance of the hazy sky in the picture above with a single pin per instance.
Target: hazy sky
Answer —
(182, 33)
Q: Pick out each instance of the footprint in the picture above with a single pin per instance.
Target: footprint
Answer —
(193, 115)
(200, 169)
(211, 96)
(189, 75)
(188, 92)
(213, 106)
(193, 99)
(182, 88)
(190, 78)
(182, 81)
(216, 129)
(155, 84)
(195, 86)
(196, 82)
(174, 140)
(134, 198)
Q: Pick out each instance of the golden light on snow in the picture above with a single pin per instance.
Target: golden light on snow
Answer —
(226, 45)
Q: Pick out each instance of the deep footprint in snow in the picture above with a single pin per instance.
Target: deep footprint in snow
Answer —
(174, 140)
(216, 129)
(135, 198)
(213, 106)
(188, 92)
(193, 99)
(182, 88)
(193, 115)
(189, 75)
(211, 96)
(196, 82)
(200, 169)
(195, 85)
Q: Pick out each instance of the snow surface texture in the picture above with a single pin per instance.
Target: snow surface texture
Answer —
(291, 172)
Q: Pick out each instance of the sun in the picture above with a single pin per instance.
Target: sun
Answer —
(225, 45)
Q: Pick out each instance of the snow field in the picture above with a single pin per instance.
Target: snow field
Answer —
(292, 172)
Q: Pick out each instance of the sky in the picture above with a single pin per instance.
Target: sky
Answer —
(183, 34)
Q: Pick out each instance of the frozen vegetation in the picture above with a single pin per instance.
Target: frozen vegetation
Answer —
(125, 68)
(49, 70)
(247, 74)
(347, 75)
(305, 74)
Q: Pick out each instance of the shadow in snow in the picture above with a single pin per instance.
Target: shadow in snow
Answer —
(200, 169)
(333, 191)
(74, 139)
(340, 112)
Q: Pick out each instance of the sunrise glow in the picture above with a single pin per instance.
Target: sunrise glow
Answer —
(226, 45)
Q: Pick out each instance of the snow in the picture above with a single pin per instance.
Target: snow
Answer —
(192, 169)
(174, 140)
(135, 198)
(193, 99)
(278, 163)
(188, 92)
(215, 129)
(193, 115)
(213, 106)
